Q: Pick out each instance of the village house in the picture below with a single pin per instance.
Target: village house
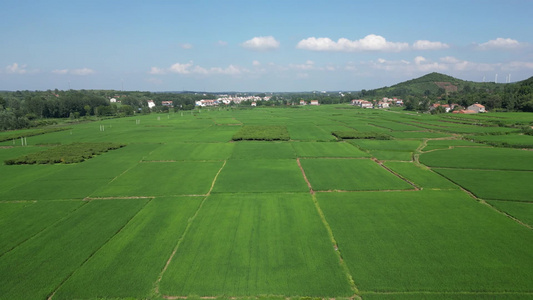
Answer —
(314, 102)
(362, 103)
(151, 104)
(302, 102)
(382, 104)
(254, 103)
(478, 108)
(366, 104)
(167, 103)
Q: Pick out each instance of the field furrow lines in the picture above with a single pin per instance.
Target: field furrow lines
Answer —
(189, 222)
(50, 297)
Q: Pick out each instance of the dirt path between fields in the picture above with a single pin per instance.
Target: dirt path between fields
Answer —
(305, 177)
(396, 174)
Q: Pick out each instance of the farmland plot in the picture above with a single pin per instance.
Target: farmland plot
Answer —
(309, 132)
(256, 244)
(260, 176)
(480, 158)
(49, 258)
(262, 150)
(163, 179)
(493, 184)
(445, 144)
(384, 155)
(388, 145)
(21, 221)
(523, 211)
(315, 149)
(350, 175)
(129, 264)
(191, 151)
(515, 140)
(421, 176)
(428, 241)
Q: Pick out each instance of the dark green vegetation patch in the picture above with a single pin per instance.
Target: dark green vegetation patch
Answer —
(65, 154)
(7, 136)
(354, 134)
(262, 133)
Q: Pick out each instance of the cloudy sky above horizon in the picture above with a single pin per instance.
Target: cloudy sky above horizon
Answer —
(268, 46)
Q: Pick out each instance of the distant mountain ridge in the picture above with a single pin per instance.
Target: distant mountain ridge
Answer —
(432, 84)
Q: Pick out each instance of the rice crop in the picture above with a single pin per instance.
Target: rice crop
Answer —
(435, 241)
(480, 158)
(350, 175)
(493, 184)
(256, 244)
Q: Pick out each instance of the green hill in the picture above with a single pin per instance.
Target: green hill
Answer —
(432, 84)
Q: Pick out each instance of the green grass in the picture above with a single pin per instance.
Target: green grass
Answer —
(163, 179)
(445, 144)
(262, 132)
(129, 264)
(493, 184)
(421, 176)
(25, 220)
(392, 155)
(260, 176)
(65, 154)
(37, 267)
(439, 241)
(479, 158)
(316, 149)
(191, 151)
(392, 145)
(350, 175)
(309, 132)
(523, 211)
(256, 244)
(417, 134)
(510, 140)
(258, 235)
(262, 150)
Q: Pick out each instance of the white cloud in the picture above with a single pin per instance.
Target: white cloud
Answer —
(370, 42)
(427, 45)
(500, 43)
(222, 43)
(309, 65)
(261, 43)
(16, 69)
(157, 71)
(190, 68)
(186, 46)
(256, 63)
(82, 72)
(181, 68)
(79, 72)
(517, 65)
(60, 72)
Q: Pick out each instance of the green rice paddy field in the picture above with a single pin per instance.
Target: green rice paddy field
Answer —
(185, 212)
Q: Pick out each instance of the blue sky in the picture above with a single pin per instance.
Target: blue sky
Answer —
(265, 46)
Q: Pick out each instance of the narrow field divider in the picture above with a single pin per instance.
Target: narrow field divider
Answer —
(96, 251)
(156, 292)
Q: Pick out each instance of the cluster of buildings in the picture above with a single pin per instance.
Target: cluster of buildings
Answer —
(227, 99)
(383, 103)
(312, 102)
(472, 109)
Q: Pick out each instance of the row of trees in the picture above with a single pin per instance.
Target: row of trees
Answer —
(22, 109)
(504, 97)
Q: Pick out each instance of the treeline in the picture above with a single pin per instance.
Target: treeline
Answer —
(419, 94)
(24, 109)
